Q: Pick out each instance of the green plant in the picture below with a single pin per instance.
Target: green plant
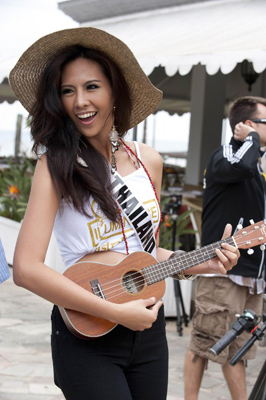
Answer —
(15, 185)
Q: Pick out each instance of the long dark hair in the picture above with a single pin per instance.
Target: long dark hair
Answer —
(53, 130)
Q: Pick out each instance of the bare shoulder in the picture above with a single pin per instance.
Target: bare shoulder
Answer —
(151, 158)
(149, 152)
(42, 171)
(153, 162)
(41, 165)
(42, 185)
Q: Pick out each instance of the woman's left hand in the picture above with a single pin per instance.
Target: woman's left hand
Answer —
(227, 258)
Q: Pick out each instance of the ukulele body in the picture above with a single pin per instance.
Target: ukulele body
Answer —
(112, 283)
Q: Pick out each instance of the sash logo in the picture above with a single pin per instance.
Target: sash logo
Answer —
(104, 231)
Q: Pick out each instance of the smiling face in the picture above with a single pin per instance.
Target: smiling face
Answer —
(87, 97)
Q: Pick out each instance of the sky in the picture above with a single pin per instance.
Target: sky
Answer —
(22, 22)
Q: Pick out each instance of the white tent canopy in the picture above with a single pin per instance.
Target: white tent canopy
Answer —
(24, 21)
(212, 36)
(206, 41)
(217, 34)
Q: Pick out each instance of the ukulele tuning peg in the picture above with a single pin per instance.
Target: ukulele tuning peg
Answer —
(251, 221)
(250, 251)
(239, 226)
(262, 247)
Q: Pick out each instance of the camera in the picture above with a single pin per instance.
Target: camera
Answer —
(173, 205)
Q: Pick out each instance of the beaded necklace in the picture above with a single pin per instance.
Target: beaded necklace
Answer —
(131, 153)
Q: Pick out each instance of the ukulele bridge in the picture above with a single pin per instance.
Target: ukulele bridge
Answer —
(97, 289)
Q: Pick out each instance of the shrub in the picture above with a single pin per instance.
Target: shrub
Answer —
(15, 185)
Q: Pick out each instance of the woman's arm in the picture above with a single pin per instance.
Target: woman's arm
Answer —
(31, 273)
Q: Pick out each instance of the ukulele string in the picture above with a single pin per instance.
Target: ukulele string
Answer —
(165, 266)
(190, 256)
(137, 277)
(138, 282)
(240, 242)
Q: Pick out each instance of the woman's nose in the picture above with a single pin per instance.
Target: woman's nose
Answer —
(82, 99)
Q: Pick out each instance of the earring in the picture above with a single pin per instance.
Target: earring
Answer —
(78, 158)
(81, 161)
(115, 143)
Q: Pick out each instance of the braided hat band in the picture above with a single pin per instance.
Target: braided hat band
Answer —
(26, 76)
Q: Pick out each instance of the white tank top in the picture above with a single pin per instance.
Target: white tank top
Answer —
(78, 235)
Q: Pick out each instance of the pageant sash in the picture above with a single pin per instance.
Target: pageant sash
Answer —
(137, 215)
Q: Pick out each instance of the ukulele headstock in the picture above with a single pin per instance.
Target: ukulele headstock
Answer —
(251, 236)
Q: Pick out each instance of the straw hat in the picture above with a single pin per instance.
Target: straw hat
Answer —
(27, 73)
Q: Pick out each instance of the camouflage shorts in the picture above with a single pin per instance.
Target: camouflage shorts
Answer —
(218, 300)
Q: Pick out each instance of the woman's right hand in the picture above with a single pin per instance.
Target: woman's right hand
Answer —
(138, 315)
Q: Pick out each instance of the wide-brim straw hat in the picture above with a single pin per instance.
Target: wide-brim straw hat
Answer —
(26, 76)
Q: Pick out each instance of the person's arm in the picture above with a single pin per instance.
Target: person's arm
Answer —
(241, 131)
(31, 273)
(229, 167)
(4, 269)
(226, 258)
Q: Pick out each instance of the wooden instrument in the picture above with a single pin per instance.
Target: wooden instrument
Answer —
(140, 276)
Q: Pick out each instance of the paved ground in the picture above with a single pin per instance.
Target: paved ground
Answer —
(25, 361)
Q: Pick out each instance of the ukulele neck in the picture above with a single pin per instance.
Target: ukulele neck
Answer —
(158, 272)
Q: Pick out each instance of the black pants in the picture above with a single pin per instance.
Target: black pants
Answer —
(121, 365)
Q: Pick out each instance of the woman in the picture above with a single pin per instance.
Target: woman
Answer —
(100, 196)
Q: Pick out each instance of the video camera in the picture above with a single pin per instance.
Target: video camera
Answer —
(249, 322)
(173, 205)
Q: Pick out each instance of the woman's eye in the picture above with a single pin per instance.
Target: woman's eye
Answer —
(92, 86)
(66, 91)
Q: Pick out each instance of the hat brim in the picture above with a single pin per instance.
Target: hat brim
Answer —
(25, 77)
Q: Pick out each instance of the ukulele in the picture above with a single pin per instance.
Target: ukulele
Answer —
(140, 276)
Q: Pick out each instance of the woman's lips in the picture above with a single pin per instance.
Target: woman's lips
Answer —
(87, 118)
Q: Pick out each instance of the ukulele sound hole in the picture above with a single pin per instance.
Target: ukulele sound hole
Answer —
(133, 281)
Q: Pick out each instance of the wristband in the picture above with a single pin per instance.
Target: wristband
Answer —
(180, 275)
